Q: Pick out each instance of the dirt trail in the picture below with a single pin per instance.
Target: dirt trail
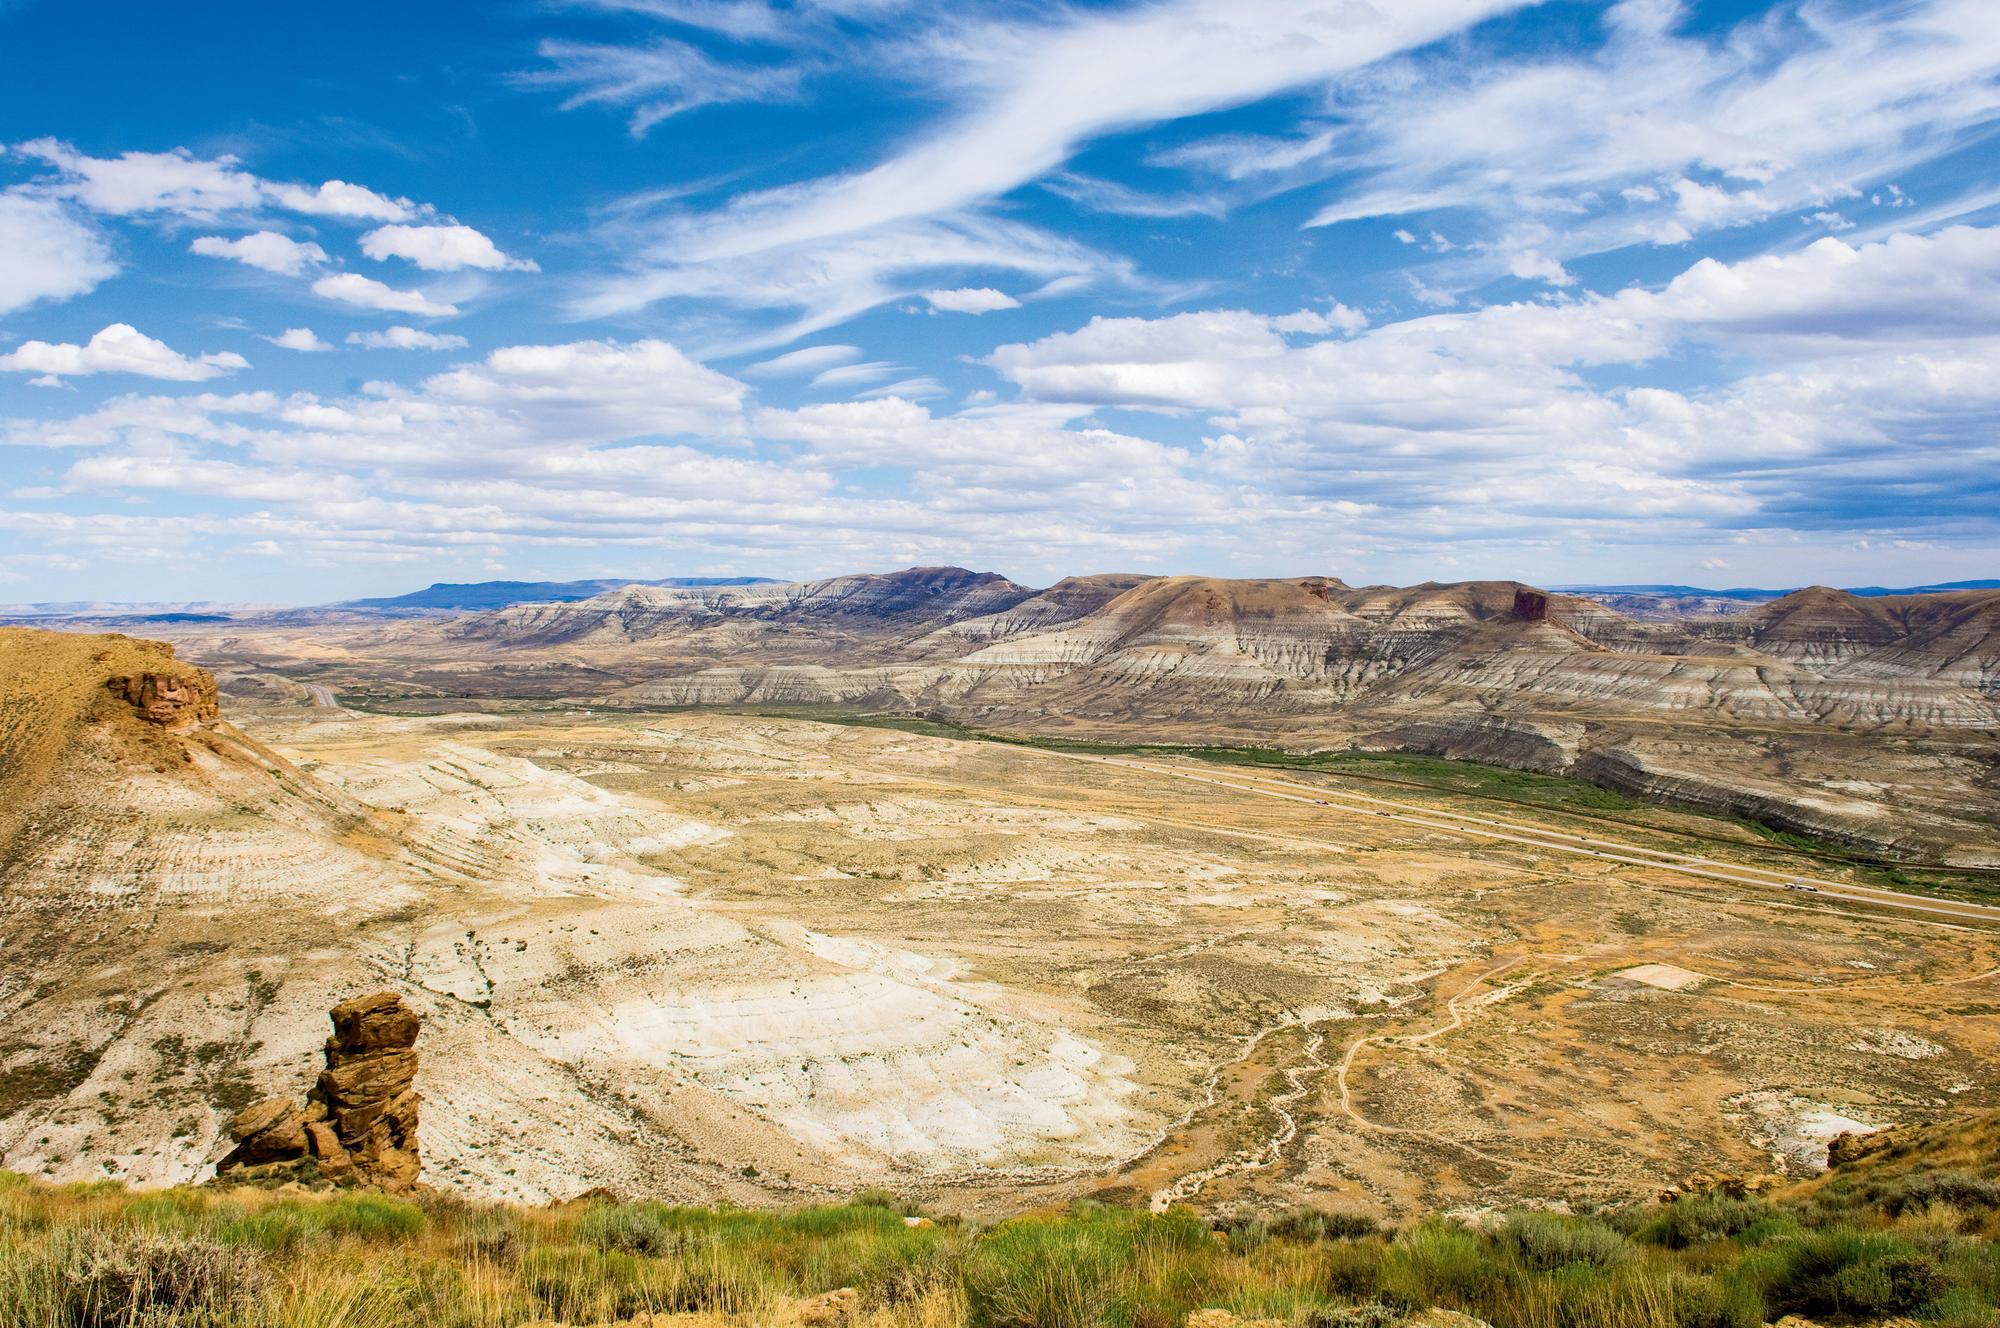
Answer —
(1456, 1008)
(1300, 1079)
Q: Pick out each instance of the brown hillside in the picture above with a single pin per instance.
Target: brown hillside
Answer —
(53, 684)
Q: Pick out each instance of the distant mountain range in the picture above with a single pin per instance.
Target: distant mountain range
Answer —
(1752, 595)
(477, 595)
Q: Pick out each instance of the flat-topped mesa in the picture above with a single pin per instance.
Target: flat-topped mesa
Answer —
(359, 1124)
(178, 701)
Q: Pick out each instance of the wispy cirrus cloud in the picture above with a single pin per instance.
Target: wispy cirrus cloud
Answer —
(1023, 96)
(659, 80)
(1659, 135)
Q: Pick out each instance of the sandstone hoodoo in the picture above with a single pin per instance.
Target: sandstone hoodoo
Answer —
(359, 1124)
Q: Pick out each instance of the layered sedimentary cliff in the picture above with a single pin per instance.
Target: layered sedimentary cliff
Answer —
(1491, 671)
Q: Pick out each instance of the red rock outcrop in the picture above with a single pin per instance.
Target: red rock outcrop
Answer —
(172, 700)
(359, 1123)
(1531, 605)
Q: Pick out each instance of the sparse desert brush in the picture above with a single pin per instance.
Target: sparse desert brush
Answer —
(97, 1278)
(1299, 1224)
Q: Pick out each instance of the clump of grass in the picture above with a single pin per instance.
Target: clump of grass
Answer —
(98, 1256)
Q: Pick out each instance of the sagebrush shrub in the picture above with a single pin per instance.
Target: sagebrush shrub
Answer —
(117, 1279)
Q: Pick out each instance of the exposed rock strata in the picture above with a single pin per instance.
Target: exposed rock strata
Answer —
(359, 1123)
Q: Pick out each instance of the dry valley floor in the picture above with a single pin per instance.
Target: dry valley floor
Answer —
(717, 955)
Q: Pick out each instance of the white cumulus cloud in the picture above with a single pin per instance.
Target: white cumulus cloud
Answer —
(299, 338)
(267, 250)
(119, 348)
(338, 198)
(138, 182)
(353, 288)
(51, 254)
(444, 248)
(179, 182)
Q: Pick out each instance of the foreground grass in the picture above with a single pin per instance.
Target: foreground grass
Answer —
(98, 1256)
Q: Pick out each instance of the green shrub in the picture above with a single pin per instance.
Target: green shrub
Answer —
(282, 1229)
(876, 1197)
(1895, 1284)
(1547, 1241)
(1702, 1218)
(1962, 1308)
(370, 1217)
(1313, 1224)
(1956, 1188)
(1705, 1302)
(491, 1237)
(633, 1228)
(1846, 1272)
(1352, 1270)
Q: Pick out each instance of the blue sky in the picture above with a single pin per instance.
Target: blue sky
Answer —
(301, 302)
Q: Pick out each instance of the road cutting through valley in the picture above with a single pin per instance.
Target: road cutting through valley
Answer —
(1558, 841)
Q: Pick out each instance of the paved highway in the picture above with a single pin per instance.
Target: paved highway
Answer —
(1559, 841)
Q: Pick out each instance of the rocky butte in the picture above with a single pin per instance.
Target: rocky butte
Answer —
(359, 1123)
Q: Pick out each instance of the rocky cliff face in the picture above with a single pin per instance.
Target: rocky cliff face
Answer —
(176, 701)
(1953, 637)
(359, 1123)
(843, 612)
